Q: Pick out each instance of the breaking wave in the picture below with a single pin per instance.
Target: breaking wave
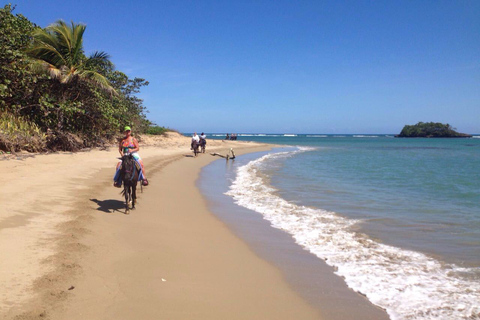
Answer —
(408, 284)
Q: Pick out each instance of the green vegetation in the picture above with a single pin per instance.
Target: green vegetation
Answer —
(430, 130)
(58, 51)
(156, 130)
(52, 92)
(17, 134)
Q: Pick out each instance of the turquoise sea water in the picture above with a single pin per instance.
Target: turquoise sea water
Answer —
(398, 218)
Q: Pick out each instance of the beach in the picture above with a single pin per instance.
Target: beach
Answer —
(74, 254)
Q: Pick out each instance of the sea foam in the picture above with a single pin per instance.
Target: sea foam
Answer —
(408, 284)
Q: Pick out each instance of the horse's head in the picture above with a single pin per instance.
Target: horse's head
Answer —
(127, 160)
(129, 172)
(126, 156)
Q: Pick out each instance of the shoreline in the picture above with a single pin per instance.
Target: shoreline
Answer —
(181, 262)
(310, 276)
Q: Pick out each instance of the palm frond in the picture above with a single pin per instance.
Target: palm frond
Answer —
(46, 48)
(100, 55)
(54, 72)
(58, 49)
(99, 80)
(99, 61)
(40, 66)
(69, 40)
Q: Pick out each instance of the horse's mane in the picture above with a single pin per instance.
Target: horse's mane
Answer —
(129, 170)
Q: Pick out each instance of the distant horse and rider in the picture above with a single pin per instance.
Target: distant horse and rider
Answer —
(198, 143)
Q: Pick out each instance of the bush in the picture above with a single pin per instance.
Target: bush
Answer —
(18, 134)
(156, 130)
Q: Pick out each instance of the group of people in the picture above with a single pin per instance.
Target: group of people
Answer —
(232, 136)
(199, 140)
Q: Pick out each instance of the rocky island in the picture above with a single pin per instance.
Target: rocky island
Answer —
(430, 130)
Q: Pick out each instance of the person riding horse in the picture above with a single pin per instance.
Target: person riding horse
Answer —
(203, 141)
(129, 145)
(195, 141)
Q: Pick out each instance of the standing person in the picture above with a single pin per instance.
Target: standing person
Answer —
(227, 137)
(129, 145)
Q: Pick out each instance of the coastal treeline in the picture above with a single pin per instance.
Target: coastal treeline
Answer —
(430, 130)
(55, 97)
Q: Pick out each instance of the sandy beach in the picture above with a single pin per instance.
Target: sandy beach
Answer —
(74, 254)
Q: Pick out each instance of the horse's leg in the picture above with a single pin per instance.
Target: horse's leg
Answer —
(126, 189)
(134, 195)
(130, 195)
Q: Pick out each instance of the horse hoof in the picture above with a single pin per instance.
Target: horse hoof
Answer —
(127, 211)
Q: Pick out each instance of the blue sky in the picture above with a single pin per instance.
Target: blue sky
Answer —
(289, 66)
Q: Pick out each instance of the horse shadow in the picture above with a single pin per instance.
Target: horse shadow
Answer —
(109, 206)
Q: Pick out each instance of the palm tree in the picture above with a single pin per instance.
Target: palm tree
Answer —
(58, 50)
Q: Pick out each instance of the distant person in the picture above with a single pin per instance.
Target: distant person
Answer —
(203, 141)
(195, 140)
(227, 137)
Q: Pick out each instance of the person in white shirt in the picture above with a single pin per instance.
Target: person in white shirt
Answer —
(195, 139)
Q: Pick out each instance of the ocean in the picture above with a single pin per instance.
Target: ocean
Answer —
(398, 219)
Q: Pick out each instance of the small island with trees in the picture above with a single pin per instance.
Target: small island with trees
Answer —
(430, 130)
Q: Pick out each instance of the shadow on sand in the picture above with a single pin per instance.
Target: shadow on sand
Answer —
(110, 205)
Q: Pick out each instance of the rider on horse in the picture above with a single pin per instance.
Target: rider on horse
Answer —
(195, 140)
(129, 145)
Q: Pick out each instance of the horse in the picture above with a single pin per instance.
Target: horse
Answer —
(203, 143)
(129, 173)
(195, 146)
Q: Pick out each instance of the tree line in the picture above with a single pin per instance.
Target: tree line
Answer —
(55, 97)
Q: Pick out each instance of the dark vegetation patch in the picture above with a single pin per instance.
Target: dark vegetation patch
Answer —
(52, 100)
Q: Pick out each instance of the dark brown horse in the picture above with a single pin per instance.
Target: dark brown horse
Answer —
(196, 146)
(203, 144)
(129, 174)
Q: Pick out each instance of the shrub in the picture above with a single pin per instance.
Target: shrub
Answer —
(18, 134)
(156, 130)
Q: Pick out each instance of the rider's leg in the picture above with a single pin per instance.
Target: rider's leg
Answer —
(139, 160)
(117, 181)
